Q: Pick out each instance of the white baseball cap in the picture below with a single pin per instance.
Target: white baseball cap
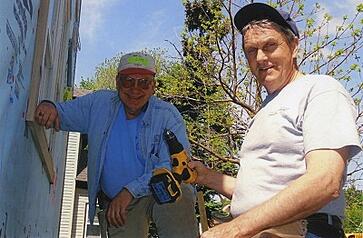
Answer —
(137, 63)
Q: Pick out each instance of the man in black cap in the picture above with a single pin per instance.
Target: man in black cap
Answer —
(293, 159)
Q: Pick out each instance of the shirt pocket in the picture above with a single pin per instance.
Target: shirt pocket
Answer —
(155, 145)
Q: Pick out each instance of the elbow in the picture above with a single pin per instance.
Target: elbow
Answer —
(334, 193)
(326, 187)
(332, 189)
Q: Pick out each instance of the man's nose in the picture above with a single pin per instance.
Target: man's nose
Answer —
(134, 83)
(261, 55)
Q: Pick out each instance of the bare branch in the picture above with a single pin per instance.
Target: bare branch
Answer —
(233, 160)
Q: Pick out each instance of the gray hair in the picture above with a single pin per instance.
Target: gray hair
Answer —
(265, 23)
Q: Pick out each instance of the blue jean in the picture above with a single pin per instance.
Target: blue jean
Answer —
(173, 220)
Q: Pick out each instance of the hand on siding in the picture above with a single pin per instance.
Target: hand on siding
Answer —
(47, 115)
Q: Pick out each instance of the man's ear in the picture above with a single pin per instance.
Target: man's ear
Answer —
(153, 85)
(117, 82)
(295, 47)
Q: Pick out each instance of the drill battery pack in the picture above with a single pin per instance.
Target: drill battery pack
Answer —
(164, 187)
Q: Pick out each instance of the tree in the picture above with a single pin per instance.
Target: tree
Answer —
(354, 210)
(104, 77)
(213, 88)
(212, 50)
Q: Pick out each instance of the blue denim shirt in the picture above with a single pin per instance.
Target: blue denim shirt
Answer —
(94, 114)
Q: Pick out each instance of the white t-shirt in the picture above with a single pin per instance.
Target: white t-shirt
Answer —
(312, 112)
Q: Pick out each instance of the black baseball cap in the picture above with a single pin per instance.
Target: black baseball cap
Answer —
(261, 11)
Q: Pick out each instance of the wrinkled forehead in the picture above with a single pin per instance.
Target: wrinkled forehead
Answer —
(265, 30)
(137, 75)
(257, 32)
(261, 27)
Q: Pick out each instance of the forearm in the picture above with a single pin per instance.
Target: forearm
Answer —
(140, 186)
(222, 183)
(304, 196)
(300, 199)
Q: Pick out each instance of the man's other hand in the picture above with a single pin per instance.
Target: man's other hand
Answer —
(46, 115)
(117, 209)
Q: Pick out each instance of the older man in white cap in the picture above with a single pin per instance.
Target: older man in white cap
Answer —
(125, 129)
(294, 156)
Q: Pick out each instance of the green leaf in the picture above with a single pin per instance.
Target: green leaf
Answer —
(327, 16)
(360, 7)
(355, 67)
(310, 22)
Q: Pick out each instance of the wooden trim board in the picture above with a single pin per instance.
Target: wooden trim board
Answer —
(40, 141)
(37, 131)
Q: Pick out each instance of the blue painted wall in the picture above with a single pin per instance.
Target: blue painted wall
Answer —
(29, 204)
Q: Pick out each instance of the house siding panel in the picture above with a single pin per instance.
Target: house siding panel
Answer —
(30, 204)
(80, 214)
(65, 229)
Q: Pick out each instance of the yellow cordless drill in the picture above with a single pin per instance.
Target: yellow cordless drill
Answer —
(165, 185)
(179, 159)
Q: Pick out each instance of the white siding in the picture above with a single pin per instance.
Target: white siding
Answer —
(65, 228)
(80, 214)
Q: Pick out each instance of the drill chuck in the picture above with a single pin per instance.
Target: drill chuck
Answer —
(173, 144)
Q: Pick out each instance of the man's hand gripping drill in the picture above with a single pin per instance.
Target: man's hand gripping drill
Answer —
(165, 184)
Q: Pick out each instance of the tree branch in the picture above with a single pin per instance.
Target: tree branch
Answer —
(210, 151)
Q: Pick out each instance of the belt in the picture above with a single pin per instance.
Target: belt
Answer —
(326, 218)
(103, 200)
(325, 225)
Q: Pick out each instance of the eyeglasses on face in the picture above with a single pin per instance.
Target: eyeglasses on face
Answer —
(128, 82)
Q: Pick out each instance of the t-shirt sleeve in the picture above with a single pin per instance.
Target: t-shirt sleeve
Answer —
(330, 120)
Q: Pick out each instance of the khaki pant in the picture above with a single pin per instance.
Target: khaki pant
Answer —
(295, 229)
(173, 220)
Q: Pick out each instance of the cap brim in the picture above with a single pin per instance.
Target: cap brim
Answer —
(255, 12)
(136, 71)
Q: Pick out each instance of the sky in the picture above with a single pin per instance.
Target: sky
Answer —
(109, 27)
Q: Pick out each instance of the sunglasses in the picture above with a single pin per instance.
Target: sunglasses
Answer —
(128, 82)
